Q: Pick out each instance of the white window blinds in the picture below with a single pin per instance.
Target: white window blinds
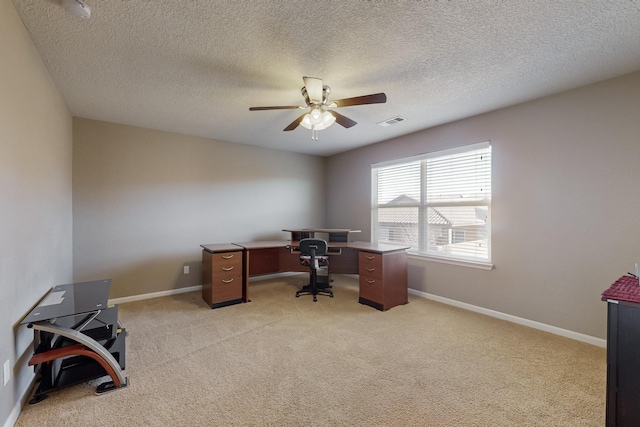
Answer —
(438, 203)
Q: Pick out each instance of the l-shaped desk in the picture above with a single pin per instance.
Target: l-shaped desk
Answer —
(227, 267)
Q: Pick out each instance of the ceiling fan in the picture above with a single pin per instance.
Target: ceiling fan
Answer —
(319, 117)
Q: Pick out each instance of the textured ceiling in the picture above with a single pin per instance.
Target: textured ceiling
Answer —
(195, 67)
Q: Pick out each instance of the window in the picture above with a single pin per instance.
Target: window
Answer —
(438, 203)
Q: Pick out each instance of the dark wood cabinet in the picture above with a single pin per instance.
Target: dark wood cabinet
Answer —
(222, 275)
(383, 279)
(623, 352)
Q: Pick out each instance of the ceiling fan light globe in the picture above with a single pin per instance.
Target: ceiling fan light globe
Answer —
(327, 119)
(306, 122)
(316, 115)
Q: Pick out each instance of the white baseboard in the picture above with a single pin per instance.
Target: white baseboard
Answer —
(519, 320)
(13, 416)
(141, 297)
(155, 295)
(17, 408)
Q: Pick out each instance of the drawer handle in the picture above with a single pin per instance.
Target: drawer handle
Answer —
(370, 281)
(369, 257)
(370, 270)
(227, 281)
(227, 268)
(227, 256)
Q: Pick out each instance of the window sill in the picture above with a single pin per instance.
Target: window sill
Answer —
(464, 263)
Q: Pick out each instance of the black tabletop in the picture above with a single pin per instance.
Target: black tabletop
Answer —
(70, 299)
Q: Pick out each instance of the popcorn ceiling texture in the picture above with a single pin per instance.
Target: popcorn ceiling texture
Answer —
(195, 66)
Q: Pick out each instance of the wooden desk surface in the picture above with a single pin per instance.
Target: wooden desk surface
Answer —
(221, 247)
(322, 230)
(380, 248)
(364, 246)
(265, 244)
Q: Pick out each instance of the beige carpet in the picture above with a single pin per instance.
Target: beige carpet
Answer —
(286, 361)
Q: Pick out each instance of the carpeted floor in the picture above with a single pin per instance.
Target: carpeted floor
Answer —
(286, 361)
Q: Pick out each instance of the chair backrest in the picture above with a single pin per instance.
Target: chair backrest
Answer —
(307, 244)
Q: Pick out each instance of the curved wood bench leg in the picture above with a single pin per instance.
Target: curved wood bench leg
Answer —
(93, 348)
(75, 350)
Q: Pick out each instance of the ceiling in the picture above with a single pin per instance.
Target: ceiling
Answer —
(196, 66)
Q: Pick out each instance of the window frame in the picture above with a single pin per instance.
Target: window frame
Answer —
(422, 250)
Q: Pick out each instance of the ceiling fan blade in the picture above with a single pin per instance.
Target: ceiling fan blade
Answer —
(314, 89)
(342, 120)
(282, 107)
(376, 98)
(295, 123)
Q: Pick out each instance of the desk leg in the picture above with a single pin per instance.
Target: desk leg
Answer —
(245, 276)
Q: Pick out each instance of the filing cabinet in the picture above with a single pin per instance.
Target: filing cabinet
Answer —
(383, 278)
(222, 267)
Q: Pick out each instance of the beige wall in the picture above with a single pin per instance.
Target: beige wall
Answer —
(565, 210)
(566, 203)
(144, 201)
(35, 197)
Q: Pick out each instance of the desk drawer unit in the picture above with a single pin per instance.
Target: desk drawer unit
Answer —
(383, 279)
(222, 277)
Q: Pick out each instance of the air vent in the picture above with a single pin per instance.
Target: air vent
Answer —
(391, 121)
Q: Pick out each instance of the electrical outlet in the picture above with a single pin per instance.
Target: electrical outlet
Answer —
(186, 269)
(7, 372)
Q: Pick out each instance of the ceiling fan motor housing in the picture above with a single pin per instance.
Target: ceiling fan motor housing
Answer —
(326, 90)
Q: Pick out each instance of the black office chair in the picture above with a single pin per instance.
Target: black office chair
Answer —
(313, 253)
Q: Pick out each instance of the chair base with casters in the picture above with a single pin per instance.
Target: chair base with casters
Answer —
(313, 253)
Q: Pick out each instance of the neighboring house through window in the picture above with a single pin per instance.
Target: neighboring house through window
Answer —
(438, 203)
